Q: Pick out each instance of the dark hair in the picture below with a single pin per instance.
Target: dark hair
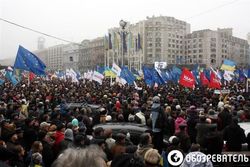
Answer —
(127, 160)
(144, 139)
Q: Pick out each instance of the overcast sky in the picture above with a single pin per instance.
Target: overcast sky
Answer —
(76, 20)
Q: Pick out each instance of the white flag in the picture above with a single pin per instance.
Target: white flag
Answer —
(120, 80)
(228, 75)
(98, 77)
(116, 69)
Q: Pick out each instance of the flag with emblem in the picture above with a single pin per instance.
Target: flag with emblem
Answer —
(214, 81)
(187, 79)
(28, 61)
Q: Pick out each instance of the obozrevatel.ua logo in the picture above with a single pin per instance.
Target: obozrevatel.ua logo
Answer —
(175, 158)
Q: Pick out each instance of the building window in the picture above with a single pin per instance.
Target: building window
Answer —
(71, 58)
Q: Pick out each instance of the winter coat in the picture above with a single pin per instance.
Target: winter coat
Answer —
(234, 136)
(178, 122)
(141, 150)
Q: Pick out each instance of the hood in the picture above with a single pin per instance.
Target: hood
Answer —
(155, 105)
(69, 134)
(143, 149)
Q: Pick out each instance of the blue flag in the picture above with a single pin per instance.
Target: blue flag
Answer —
(127, 75)
(148, 76)
(100, 69)
(164, 75)
(11, 77)
(196, 73)
(207, 73)
(176, 73)
(133, 70)
(1, 82)
(157, 77)
(26, 60)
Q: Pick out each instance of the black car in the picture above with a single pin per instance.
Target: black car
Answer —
(135, 130)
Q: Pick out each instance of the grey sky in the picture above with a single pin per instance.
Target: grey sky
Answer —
(76, 20)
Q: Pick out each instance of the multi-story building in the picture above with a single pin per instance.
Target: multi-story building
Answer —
(164, 40)
(70, 56)
(55, 57)
(212, 47)
(161, 39)
(43, 55)
(91, 54)
(248, 38)
(52, 57)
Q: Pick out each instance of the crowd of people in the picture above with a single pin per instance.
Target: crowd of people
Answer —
(39, 129)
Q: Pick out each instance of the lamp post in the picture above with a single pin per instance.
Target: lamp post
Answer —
(122, 34)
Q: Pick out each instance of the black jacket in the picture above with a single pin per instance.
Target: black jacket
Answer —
(234, 136)
(48, 154)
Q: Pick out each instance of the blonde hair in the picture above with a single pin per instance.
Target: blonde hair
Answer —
(152, 157)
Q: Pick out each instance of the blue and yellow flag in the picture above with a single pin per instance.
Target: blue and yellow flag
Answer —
(228, 65)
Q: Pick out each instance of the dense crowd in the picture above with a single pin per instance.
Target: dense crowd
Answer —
(39, 129)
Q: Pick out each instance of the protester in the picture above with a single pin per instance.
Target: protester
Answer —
(40, 113)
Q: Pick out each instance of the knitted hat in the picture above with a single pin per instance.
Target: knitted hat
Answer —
(69, 134)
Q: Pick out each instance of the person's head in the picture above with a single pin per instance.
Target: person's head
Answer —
(127, 160)
(13, 137)
(174, 140)
(69, 134)
(3, 144)
(145, 139)
(156, 99)
(60, 127)
(108, 133)
(195, 147)
(91, 156)
(152, 158)
(120, 138)
(37, 147)
(37, 158)
(20, 151)
(98, 132)
(79, 141)
(44, 126)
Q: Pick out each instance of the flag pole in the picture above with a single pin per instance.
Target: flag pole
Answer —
(247, 85)
(110, 80)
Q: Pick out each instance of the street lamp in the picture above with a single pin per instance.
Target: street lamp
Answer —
(122, 34)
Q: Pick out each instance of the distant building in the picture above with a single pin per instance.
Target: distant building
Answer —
(161, 39)
(70, 56)
(52, 57)
(91, 54)
(212, 47)
(40, 43)
(43, 55)
(248, 38)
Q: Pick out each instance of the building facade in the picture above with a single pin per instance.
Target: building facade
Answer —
(154, 39)
(91, 54)
(212, 47)
(71, 56)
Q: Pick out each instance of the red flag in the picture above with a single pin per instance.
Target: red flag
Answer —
(31, 76)
(204, 80)
(187, 79)
(214, 81)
